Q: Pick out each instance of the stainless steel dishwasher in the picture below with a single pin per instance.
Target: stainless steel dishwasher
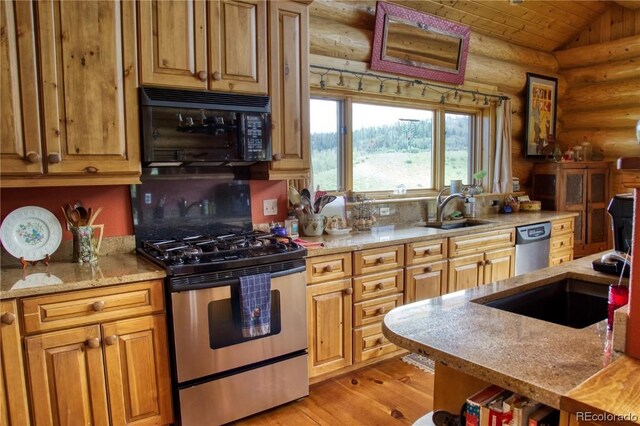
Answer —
(532, 247)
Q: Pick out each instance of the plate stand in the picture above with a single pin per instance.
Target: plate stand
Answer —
(24, 263)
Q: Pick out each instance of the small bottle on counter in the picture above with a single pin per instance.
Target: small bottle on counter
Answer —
(291, 224)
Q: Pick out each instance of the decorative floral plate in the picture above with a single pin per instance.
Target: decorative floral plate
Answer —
(31, 233)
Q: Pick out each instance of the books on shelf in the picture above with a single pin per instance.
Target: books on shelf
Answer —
(544, 416)
(517, 409)
(495, 406)
(477, 401)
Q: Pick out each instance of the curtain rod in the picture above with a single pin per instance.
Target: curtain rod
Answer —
(383, 78)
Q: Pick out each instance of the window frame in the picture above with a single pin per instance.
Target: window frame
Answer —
(480, 135)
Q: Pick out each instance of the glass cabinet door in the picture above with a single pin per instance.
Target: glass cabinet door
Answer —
(575, 200)
(597, 219)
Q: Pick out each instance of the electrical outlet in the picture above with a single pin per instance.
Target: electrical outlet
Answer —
(147, 198)
(270, 207)
(384, 211)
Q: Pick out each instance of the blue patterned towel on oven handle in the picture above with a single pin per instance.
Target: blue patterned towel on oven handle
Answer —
(255, 304)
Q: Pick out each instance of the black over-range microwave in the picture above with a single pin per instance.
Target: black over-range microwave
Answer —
(184, 127)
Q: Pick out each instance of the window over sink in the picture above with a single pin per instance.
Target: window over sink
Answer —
(366, 146)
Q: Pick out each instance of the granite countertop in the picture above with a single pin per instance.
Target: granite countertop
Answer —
(386, 235)
(541, 360)
(62, 276)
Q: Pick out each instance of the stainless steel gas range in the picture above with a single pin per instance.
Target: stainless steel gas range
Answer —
(219, 373)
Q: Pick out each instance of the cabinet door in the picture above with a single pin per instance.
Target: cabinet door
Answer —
(137, 366)
(238, 45)
(172, 43)
(597, 234)
(66, 377)
(20, 131)
(499, 265)
(329, 326)
(426, 281)
(289, 87)
(574, 199)
(14, 409)
(466, 272)
(89, 99)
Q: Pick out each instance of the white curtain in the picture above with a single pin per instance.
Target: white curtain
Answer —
(502, 165)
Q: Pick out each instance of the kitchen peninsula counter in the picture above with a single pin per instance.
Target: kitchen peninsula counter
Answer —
(385, 235)
(65, 276)
(541, 360)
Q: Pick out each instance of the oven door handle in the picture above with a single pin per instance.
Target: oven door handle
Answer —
(288, 272)
(222, 283)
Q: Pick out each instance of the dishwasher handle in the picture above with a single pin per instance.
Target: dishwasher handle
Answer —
(532, 233)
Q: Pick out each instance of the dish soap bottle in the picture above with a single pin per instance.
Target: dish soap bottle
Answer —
(291, 224)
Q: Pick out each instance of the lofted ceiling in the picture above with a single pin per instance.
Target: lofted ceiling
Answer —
(545, 25)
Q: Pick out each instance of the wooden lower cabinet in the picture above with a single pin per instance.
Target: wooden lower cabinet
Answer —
(499, 264)
(477, 269)
(562, 241)
(14, 408)
(426, 281)
(329, 326)
(369, 343)
(73, 373)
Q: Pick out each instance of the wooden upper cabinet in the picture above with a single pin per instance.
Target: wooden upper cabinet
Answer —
(238, 46)
(289, 88)
(219, 45)
(172, 42)
(88, 84)
(20, 147)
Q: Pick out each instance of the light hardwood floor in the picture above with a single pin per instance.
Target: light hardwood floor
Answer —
(390, 392)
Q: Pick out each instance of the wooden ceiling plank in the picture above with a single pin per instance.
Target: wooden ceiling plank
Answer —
(566, 14)
(482, 25)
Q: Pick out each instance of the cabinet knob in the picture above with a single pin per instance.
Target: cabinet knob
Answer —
(427, 251)
(94, 342)
(54, 157)
(8, 318)
(328, 268)
(202, 75)
(380, 311)
(380, 286)
(380, 341)
(487, 262)
(98, 306)
(561, 243)
(380, 261)
(91, 169)
(111, 340)
(561, 260)
(33, 157)
(277, 156)
(348, 291)
(217, 76)
(427, 269)
(481, 263)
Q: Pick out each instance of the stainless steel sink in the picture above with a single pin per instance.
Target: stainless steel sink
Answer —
(454, 224)
(571, 302)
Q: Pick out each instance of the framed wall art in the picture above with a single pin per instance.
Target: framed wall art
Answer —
(540, 125)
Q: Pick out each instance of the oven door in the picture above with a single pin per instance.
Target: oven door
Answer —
(208, 334)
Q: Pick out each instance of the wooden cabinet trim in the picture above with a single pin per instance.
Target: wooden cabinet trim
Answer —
(42, 313)
(329, 267)
(378, 259)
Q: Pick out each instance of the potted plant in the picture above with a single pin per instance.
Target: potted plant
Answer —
(477, 180)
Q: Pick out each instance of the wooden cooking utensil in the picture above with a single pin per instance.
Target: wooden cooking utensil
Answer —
(93, 217)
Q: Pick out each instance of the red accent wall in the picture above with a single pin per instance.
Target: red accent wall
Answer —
(116, 203)
(633, 326)
(114, 200)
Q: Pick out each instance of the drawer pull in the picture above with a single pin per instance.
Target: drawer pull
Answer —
(111, 340)
(328, 268)
(217, 76)
(380, 261)
(427, 269)
(54, 158)
(481, 263)
(561, 260)
(561, 243)
(202, 76)
(427, 251)
(98, 306)
(277, 156)
(91, 169)
(33, 157)
(380, 311)
(380, 341)
(94, 342)
(348, 291)
(8, 318)
(487, 262)
(380, 286)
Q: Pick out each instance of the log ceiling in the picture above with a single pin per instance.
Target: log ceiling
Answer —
(541, 25)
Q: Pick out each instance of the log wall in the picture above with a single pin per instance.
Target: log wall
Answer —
(344, 30)
(601, 100)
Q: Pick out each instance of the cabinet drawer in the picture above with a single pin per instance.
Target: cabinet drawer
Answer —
(369, 342)
(372, 311)
(325, 268)
(376, 285)
(425, 251)
(379, 259)
(562, 226)
(560, 257)
(561, 242)
(478, 243)
(90, 306)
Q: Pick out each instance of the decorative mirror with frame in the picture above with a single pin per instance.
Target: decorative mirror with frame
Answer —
(417, 44)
